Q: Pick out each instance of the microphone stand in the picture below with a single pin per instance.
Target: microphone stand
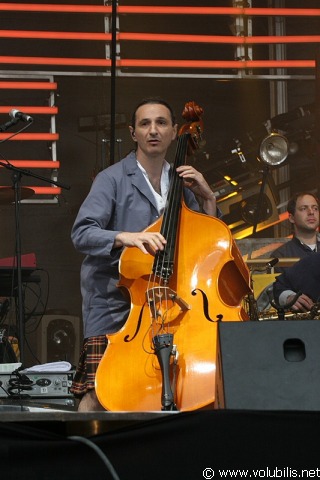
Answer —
(265, 174)
(282, 309)
(9, 124)
(253, 304)
(16, 176)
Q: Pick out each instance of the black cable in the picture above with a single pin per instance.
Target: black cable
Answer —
(2, 388)
(288, 305)
(16, 133)
(20, 383)
(281, 310)
(100, 453)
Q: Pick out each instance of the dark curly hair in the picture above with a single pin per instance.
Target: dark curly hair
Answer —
(292, 203)
(153, 100)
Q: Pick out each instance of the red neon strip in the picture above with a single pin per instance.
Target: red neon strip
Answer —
(29, 85)
(218, 63)
(280, 64)
(34, 164)
(282, 39)
(282, 12)
(92, 62)
(155, 37)
(157, 10)
(219, 11)
(25, 108)
(31, 136)
(55, 35)
(160, 37)
(46, 190)
(34, 7)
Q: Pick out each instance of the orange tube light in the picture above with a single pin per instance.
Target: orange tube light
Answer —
(160, 10)
(46, 190)
(29, 109)
(157, 10)
(55, 35)
(50, 137)
(29, 85)
(217, 63)
(91, 62)
(33, 7)
(34, 164)
(206, 64)
(225, 39)
(161, 37)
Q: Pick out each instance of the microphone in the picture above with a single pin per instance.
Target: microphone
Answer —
(5, 126)
(267, 266)
(15, 114)
(272, 262)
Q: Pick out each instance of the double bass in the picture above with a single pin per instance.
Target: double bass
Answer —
(165, 355)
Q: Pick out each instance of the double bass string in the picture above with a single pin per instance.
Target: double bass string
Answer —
(164, 260)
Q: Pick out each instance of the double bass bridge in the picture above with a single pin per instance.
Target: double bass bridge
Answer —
(158, 296)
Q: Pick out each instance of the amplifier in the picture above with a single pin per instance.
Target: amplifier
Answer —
(36, 384)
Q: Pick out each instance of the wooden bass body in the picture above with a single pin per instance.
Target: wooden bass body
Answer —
(208, 285)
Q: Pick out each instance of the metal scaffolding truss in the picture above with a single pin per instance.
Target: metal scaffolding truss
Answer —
(239, 42)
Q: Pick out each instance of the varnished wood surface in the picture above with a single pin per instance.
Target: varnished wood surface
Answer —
(213, 266)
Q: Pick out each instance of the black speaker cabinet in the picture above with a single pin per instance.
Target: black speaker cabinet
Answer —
(59, 338)
(269, 365)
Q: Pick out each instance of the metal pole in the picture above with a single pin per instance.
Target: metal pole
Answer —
(113, 80)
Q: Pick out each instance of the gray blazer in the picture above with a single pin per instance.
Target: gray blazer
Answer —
(119, 200)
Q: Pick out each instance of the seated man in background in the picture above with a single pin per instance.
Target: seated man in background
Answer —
(302, 278)
(303, 209)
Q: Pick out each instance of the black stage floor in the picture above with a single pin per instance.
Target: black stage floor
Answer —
(267, 424)
(159, 445)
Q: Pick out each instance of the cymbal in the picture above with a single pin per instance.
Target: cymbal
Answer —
(7, 194)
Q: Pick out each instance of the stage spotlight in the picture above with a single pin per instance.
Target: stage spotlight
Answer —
(274, 149)
(248, 209)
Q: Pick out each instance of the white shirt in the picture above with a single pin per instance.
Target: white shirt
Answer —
(164, 185)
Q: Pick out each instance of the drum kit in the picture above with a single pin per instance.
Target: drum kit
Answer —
(7, 194)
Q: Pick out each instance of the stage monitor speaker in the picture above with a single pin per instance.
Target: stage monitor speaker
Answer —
(59, 339)
(269, 365)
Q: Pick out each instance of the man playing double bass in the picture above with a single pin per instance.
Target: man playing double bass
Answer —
(124, 200)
